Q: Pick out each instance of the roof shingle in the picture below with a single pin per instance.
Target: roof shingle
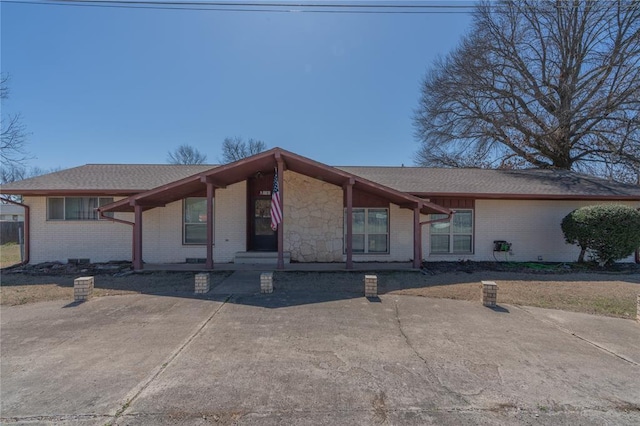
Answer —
(134, 178)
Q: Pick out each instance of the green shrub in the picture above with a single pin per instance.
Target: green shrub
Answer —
(607, 232)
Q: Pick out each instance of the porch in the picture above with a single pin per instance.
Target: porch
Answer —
(306, 267)
(321, 220)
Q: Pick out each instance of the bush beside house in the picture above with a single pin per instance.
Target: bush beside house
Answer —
(608, 232)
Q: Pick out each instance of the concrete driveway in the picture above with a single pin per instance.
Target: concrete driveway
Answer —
(309, 357)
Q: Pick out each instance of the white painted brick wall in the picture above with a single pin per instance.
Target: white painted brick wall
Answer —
(532, 226)
(162, 229)
(100, 241)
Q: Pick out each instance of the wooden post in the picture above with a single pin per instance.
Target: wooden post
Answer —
(280, 264)
(348, 188)
(210, 195)
(417, 238)
(137, 237)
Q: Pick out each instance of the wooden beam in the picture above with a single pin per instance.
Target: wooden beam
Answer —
(147, 203)
(137, 238)
(280, 164)
(211, 180)
(417, 238)
(279, 158)
(348, 188)
(210, 195)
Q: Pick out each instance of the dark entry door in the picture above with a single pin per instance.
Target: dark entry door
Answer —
(262, 237)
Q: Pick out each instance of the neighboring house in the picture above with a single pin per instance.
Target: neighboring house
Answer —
(11, 213)
(176, 213)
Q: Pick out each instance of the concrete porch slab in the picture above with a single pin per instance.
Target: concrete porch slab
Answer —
(310, 267)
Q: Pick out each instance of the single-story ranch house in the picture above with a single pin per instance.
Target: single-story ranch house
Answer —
(159, 214)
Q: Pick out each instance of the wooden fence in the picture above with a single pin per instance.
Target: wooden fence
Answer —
(11, 231)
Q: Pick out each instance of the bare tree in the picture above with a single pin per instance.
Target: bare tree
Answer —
(186, 154)
(12, 173)
(538, 83)
(13, 134)
(234, 149)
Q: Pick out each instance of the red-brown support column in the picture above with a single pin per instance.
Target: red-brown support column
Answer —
(210, 195)
(137, 237)
(417, 238)
(348, 188)
(280, 264)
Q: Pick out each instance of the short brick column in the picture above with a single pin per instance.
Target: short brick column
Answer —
(202, 283)
(370, 286)
(489, 293)
(82, 288)
(266, 282)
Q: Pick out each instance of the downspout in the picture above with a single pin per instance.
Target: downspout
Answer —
(126, 222)
(444, 219)
(638, 249)
(27, 238)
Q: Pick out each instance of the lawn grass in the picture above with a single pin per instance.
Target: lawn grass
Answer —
(17, 289)
(9, 254)
(593, 293)
(600, 294)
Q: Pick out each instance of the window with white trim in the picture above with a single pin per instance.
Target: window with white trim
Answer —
(76, 208)
(370, 230)
(453, 237)
(194, 220)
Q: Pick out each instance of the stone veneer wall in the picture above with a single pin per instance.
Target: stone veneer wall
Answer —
(313, 219)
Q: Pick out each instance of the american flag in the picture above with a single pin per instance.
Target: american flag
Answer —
(276, 213)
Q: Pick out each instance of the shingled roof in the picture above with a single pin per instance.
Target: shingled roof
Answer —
(111, 179)
(482, 183)
(128, 179)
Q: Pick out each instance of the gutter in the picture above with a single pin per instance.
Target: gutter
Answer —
(27, 236)
(444, 219)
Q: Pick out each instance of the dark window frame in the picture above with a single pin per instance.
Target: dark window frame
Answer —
(95, 216)
(451, 234)
(366, 233)
(185, 224)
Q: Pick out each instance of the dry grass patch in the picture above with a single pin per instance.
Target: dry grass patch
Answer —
(9, 255)
(601, 294)
(18, 289)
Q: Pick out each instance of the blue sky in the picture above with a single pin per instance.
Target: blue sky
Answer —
(106, 85)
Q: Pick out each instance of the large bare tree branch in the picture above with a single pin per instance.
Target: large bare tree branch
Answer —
(538, 83)
(186, 154)
(13, 134)
(234, 149)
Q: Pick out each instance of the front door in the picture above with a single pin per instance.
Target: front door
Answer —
(261, 236)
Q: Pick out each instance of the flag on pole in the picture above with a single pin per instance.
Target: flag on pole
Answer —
(276, 213)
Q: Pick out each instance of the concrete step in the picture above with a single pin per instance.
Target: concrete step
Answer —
(260, 257)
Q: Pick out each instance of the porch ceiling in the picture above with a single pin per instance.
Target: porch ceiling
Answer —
(264, 162)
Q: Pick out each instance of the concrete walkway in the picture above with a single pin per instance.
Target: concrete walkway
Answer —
(294, 357)
(240, 282)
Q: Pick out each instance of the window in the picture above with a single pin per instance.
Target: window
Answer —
(370, 231)
(76, 208)
(455, 236)
(194, 220)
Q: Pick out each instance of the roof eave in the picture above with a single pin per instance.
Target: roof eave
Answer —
(63, 192)
(510, 196)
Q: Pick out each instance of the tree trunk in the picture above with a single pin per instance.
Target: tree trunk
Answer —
(581, 256)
